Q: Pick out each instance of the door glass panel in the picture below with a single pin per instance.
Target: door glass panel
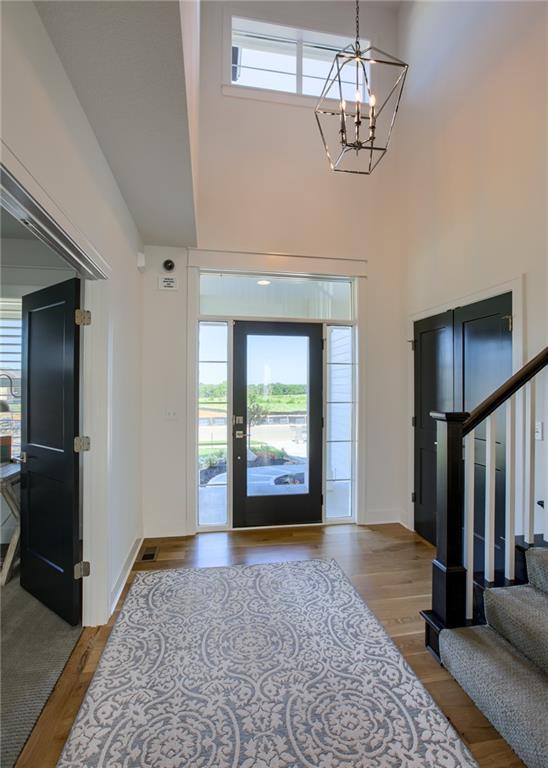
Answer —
(340, 345)
(338, 502)
(213, 424)
(339, 421)
(339, 383)
(340, 418)
(277, 415)
(339, 461)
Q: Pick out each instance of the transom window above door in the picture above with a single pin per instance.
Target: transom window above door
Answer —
(272, 57)
(225, 294)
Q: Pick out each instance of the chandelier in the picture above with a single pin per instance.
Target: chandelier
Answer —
(358, 105)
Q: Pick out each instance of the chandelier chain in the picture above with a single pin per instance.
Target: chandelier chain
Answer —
(357, 24)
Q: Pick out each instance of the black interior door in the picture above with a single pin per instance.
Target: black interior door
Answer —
(433, 345)
(277, 431)
(50, 526)
(483, 361)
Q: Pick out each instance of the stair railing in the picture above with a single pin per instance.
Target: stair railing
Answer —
(453, 566)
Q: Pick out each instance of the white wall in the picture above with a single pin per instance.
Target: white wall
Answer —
(472, 155)
(164, 390)
(48, 144)
(265, 186)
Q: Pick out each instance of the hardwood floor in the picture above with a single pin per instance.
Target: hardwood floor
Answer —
(389, 566)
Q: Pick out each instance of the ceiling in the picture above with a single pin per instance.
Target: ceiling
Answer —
(125, 62)
(10, 228)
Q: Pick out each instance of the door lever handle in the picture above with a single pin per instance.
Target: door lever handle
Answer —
(240, 434)
(22, 458)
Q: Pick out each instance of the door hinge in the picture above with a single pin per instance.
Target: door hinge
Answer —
(82, 569)
(413, 497)
(82, 444)
(413, 344)
(413, 421)
(82, 317)
(510, 321)
(321, 496)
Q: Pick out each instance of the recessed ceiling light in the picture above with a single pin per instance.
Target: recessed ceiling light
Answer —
(263, 282)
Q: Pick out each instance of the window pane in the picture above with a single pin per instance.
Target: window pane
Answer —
(212, 491)
(339, 421)
(213, 383)
(338, 499)
(274, 81)
(10, 363)
(339, 461)
(283, 297)
(212, 504)
(264, 55)
(212, 423)
(339, 383)
(340, 344)
(213, 342)
(277, 415)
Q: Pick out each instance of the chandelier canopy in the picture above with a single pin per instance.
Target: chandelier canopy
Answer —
(358, 105)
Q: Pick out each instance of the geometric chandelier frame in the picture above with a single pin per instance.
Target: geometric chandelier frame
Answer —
(358, 106)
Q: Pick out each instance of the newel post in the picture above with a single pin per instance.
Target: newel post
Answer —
(448, 572)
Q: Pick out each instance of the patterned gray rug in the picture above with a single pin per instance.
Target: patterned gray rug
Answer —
(260, 666)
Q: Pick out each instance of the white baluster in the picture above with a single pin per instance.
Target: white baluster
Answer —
(529, 468)
(490, 474)
(469, 478)
(510, 505)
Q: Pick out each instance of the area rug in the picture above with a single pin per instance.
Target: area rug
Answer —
(36, 645)
(259, 666)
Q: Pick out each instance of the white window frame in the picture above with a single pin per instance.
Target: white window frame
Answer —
(204, 261)
(229, 88)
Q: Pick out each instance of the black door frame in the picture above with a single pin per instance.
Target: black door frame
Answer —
(287, 509)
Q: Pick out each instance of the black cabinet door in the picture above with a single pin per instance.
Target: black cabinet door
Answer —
(483, 361)
(50, 525)
(277, 431)
(433, 344)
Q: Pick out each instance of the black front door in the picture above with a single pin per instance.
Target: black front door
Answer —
(483, 361)
(50, 527)
(433, 344)
(277, 431)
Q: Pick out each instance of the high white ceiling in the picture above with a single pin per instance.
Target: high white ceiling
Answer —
(125, 62)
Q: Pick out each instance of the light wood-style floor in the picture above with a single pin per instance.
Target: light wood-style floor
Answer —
(389, 566)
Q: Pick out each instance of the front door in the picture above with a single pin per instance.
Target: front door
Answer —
(50, 526)
(277, 430)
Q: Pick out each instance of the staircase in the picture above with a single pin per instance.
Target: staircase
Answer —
(489, 630)
(503, 665)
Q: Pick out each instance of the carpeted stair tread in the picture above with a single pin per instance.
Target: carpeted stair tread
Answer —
(537, 567)
(520, 614)
(505, 685)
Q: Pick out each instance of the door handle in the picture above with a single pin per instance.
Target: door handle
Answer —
(240, 434)
(22, 458)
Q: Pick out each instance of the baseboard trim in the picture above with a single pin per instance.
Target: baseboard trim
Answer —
(380, 516)
(124, 573)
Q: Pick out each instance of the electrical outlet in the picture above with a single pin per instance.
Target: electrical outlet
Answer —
(171, 414)
(539, 430)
